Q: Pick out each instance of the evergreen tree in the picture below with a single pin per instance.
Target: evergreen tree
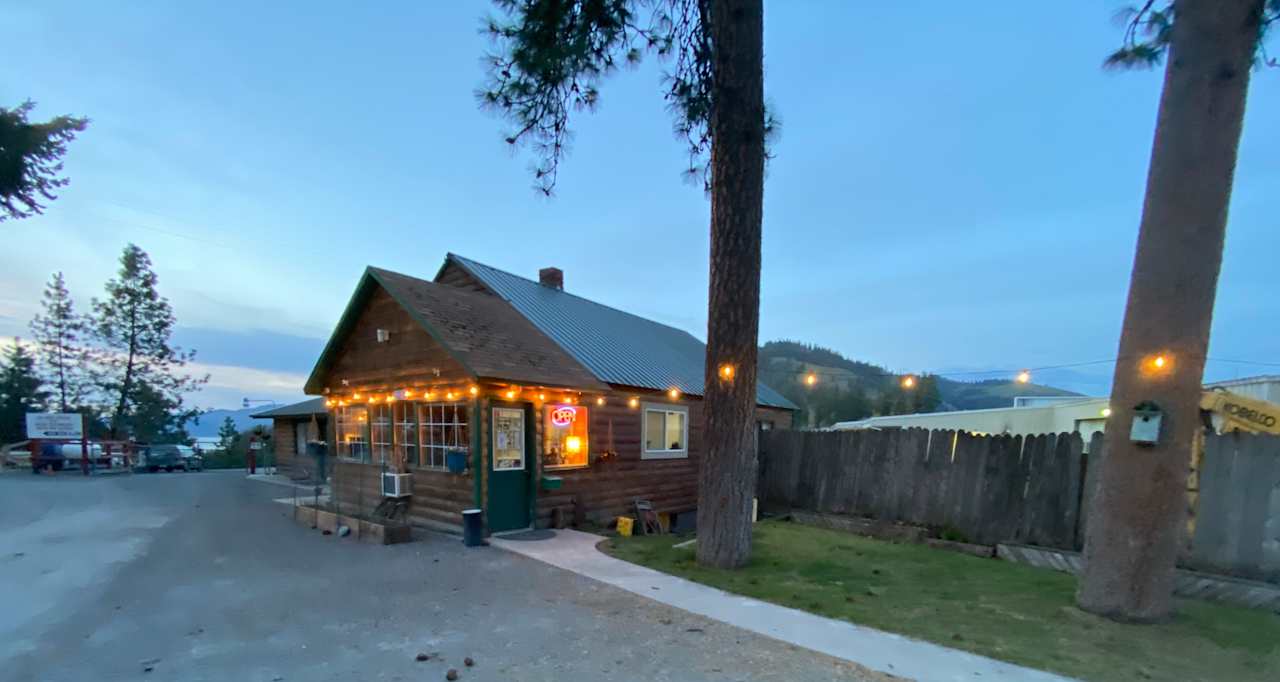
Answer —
(31, 159)
(21, 391)
(62, 358)
(1135, 519)
(551, 57)
(139, 372)
(227, 434)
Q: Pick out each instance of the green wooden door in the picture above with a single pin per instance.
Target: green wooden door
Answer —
(511, 464)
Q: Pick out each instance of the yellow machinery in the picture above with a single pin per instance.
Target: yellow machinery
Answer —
(1224, 411)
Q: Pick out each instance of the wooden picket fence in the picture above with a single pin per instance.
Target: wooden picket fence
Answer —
(1020, 489)
(987, 489)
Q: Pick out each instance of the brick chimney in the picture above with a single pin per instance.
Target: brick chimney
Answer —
(551, 277)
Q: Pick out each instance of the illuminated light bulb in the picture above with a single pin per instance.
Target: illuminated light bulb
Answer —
(1160, 362)
(674, 393)
(373, 398)
(810, 379)
(391, 398)
(573, 444)
(511, 395)
(1106, 411)
(908, 381)
(542, 396)
(473, 390)
(355, 396)
(428, 395)
(448, 395)
(600, 401)
(568, 399)
(634, 402)
(726, 372)
(1024, 377)
(408, 393)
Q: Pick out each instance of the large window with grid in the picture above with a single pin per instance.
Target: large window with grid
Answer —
(442, 427)
(406, 428)
(351, 425)
(380, 432)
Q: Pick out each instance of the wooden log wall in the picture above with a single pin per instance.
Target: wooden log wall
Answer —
(438, 496)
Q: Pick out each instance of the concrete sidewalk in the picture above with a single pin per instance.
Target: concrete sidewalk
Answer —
(576, 551)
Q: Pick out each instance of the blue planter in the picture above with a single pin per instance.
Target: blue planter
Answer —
(456, 461)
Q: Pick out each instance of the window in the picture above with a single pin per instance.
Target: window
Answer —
(380, 432)
(443, 428)
(508, 439)
(406, 416)
(565, 441)
(353, 441)
(666, 432)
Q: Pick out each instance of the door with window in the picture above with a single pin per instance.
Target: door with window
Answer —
(510, 470)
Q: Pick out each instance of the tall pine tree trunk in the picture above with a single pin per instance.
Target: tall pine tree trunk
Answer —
(1134, 526)
(728, 470)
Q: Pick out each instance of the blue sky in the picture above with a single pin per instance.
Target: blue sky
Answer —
(957, 185)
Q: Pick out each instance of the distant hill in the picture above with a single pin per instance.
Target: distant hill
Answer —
(851, 389)
(209, 422)
(980, 395)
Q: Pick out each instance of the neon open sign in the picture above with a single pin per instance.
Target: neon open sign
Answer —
(564, 415)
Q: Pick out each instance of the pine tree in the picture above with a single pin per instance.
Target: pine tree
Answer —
(139, 370)
(551, 57)
(31, 159)
(1133, 530)
(21, 391)
(61, 357)
(227, 434)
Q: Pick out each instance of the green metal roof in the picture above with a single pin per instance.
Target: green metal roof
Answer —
(618, 347)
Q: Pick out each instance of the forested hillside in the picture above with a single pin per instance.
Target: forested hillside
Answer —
(847, 389)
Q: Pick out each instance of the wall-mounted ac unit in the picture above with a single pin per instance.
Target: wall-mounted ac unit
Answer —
(397, 485)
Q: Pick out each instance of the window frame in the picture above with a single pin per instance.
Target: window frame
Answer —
(426, 442)
(344, 416)
(664, 409)
(405, 449)
(381, 418)
(545, 416)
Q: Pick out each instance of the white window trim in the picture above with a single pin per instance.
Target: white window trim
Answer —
(646, 453)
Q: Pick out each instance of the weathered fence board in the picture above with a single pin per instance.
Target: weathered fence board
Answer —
(1238, 519)
(1023, 489)
(988, 489)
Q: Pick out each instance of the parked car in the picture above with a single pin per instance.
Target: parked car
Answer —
(192, 460)
(156, 457)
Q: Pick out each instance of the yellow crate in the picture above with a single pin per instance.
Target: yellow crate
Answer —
(625, 524)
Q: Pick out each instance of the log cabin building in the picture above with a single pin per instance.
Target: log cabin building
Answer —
(513, 396)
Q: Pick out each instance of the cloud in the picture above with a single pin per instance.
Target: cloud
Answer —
(229, 384)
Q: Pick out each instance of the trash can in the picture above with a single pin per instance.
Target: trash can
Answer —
(472, 529)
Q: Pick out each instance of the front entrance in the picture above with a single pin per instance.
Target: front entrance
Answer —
(511, 463)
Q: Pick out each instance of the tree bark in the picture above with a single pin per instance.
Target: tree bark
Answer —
(728, 471)
(1134, 525)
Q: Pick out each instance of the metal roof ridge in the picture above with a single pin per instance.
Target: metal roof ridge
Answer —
(580, 297)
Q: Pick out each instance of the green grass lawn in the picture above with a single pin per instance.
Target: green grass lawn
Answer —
(1003, 610)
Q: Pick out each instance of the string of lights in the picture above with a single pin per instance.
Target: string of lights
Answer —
(537, 395)
(1156, 362)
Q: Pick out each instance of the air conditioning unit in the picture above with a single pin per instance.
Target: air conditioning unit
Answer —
(397, 485)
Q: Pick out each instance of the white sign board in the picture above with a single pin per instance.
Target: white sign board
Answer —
(65, 426)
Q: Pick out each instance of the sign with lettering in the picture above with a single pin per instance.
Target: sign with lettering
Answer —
(564, 415)
(55, 425)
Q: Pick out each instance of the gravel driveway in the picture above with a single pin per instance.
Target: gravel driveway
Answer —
(201, 576)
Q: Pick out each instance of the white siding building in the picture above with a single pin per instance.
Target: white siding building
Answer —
(1049, 414)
